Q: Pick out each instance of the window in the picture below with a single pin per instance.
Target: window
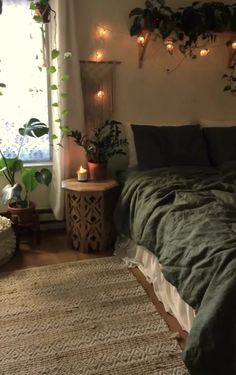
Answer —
(26, 92)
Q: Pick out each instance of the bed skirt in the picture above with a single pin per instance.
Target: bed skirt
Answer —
(135, 255)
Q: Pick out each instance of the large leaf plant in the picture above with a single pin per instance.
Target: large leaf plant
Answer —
(12, 169)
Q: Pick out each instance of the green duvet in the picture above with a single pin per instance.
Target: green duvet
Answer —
(187, 217)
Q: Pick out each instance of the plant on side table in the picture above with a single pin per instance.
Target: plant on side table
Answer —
(105, 142)
(16, 194)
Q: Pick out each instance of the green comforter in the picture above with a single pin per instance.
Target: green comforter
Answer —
(187, 217)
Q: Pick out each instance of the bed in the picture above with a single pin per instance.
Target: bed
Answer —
(178, 224)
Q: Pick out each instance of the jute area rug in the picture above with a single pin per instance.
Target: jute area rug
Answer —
(85, 317)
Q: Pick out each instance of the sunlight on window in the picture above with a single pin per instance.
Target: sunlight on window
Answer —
(26, 93)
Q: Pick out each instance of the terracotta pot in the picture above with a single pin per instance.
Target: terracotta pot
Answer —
(43, 11)
(97, 171)
(22, 216)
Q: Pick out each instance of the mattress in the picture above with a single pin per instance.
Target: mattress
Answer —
(139, 256)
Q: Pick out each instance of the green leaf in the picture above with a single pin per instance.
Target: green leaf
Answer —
(53, 87)
(38, 19)
(65, 129)
(55, 53)
(227, 88)
(64, 95)
(11, 164)
(2, 85)
(136, 12)
(34, 128)
(44, 176)
(1, 93)
(32, 5)
(51, 69)
(58, 120)
(53, 137)
(28, 179)
(65, 112)
(55, 105)
(65, 77)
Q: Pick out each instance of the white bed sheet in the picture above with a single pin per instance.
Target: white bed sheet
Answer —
(147, 262)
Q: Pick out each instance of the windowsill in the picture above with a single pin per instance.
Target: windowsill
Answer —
(38, 164)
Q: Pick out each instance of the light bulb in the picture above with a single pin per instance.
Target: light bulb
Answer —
(169, 46)
(100, 94)
(234, 45)
(99, 55)
(204, 52)
(102, 32)
(141, 40)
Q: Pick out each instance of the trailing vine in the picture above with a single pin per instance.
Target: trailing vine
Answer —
(187, 27)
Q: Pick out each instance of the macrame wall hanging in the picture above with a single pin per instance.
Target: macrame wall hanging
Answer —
(98, 84)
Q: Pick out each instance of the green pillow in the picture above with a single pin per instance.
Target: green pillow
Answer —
(164, 146)
(221, 144)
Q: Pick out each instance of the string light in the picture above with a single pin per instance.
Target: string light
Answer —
(204, 52)
(141, 40)
(169, 46)
(102, 32)
(100, 94)
(234, 45)
(99, 56)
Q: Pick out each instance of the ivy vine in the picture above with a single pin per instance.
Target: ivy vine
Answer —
(187, 26)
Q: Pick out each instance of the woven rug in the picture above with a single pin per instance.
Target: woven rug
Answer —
(85, 317)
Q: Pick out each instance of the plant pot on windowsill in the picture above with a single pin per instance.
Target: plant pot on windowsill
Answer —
(97, 171)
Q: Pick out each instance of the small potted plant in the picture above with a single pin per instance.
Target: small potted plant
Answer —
(105, 142)
(16, 194)
(42, 9)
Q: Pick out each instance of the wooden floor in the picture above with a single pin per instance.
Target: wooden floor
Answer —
(54, 248)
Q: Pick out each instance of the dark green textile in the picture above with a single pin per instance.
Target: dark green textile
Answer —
(164, 146)
(187, 217)
(221, 144)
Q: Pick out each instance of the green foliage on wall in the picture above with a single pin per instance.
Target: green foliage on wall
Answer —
(186, 26)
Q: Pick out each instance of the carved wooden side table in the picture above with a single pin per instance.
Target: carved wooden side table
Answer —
(89, 211)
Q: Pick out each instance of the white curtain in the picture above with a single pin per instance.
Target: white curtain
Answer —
(66, 160)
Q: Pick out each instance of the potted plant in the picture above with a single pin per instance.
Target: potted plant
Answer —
(42, 9)
(16, 194)
(105, 142)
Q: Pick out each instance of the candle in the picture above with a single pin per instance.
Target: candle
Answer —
(82, 174)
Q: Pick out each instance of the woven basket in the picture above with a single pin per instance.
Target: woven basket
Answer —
(7, 240)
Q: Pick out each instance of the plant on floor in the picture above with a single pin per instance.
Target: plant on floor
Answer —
(104, 143)
(13, 169)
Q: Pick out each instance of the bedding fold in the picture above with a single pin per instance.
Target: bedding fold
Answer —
(187, 217)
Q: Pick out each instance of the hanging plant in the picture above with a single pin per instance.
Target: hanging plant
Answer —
(185, 27)
(42, 10)
(56, 67)
(187, 24)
